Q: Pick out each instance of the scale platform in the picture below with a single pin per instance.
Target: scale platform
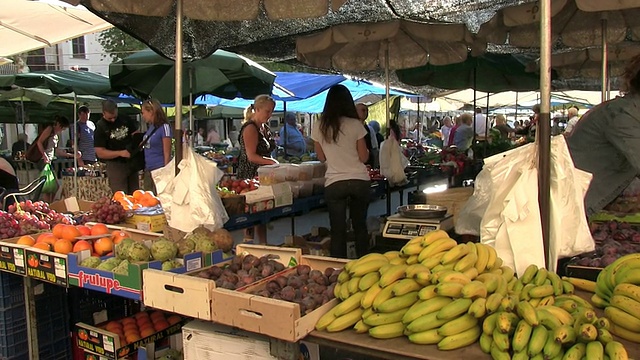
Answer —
(399, 227)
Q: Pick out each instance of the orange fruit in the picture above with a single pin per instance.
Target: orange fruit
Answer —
(118, 235)
(127, 321)
(42, 246)
(63, 246)
(174, 319)
(44, 235)
(157, 315)
(138, 194)
(58, 230)
(84, 230)
(47, 238)
(119, 195)
(132, 338)
(100, 229)
(161, 325)
(103, 246)
(26, 240)
(130, 327)
(69, 232)
(113, 326)
(136, 206)
(82, 245)
(148, 331)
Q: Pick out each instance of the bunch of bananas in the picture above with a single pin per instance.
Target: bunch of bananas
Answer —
(433, 290)
(541, 318)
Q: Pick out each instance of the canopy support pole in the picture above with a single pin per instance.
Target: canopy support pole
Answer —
(605, 60)
(178, 80)
(75, 144)
(193, 132)
(544, 126)
(386, 83)
(515, 124)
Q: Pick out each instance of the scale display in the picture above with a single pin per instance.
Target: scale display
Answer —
(398, 227)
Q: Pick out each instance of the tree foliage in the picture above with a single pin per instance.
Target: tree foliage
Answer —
(118, 44)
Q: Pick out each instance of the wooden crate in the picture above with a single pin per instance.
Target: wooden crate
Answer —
(276, 318)
(453, 199)
(190, 295)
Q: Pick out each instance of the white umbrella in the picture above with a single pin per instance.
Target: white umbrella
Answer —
(27, 25)
(396, 44)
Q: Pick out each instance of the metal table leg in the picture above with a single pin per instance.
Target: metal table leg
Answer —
(32, 325)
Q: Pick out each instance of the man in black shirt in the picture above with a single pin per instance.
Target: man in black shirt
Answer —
(20, 145)
(112, 137)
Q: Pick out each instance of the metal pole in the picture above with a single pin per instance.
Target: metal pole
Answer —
(27, 166)
(193, 132)
(386, 82)
(284, 116)
(544, 125)
(178, 80)
(605, 60)
(75, 145)
(486, 129)
(516, 122)
(32, 324)
(418, 118)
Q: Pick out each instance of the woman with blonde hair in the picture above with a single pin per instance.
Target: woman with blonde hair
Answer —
(157, 146)
(256, 146)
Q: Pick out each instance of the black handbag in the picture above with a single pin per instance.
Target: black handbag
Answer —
(136, 160)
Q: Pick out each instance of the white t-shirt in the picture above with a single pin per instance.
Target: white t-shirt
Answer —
(342, 161)
(480, 124)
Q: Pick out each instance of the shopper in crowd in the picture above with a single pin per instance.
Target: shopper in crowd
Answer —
(199, 140)
(339, 141)
(370, 141)
(157, 146)
(21, 145)
(291, 138)
(375, 126)
(112, 138)
(85, 131)
(479, 124)
(394, 130)
(573, 120)
(212, 137)
(8, 177)
(445, 131)
(454, 129)
(256, 146)
(463, 138)
(506, 131)
(606, 142)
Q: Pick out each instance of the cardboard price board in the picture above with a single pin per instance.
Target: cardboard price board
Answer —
(13, 257)
(107, 344)
(47, 266)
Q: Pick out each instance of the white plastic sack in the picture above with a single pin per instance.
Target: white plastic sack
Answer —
(393, 162)
(192, 192)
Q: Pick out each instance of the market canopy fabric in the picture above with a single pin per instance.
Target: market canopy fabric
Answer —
(225, 74)
(27, 25)
(60, 82)
(488, 72)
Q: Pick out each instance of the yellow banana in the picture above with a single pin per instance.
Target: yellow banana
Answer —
(547, 319)
(556, 282)
(425, 322)
(433, 260)
(493, 303)
(387, 267)
(368, 280)
(485, 342)
(397, 303)
(580, 301)
(604, 336)
(392, 274)
(564, 334)
(423, 278)
(428, 337)
(387, 331)
(439, 245)
(489, 324)
(427, 292)
(587, 332)
(344, 291)
(349, 304)
(560, 314)
(576, 352)
(458, 325)
(567, 287)
(629, 290)
(455, 254)
(524, 294)
(460, 340)
(526, 311)
(584, 314)
(454, 276)
(367, 312)
(454, 309)
(360, 327)
(521, 336)
(378, 319)
(452, 289)
(370, 295)
(478, 308)
(547, 300)
(352, 285)
(598, 301)
(493, 257)
(540, 277)
(468, 261)
(502, 286)
(616, 351)
(415, 240)
(582, 284)
(326, 319)
(595, 351)
(382, 296)
(551, 348)
(506, 322)
(491, 280)
(626, 304)
(345, 321)
(426, 307)
(624, 333)
(497, 354)
(498, 263)
(405, 286)
(397, 261)
(441, 267)
(367, 267)
(622, 318)
(391, 254)
(541, 291)
(629, 275)
(567, 304)
(501, 340)
(602, 323)
(537, 340)
(343, 277)
(413, 269)
(534, 302)
(412, 260)
(483, 257)
(430, 237)
(471, 273)
(411, 249)
(336, 290)
(508, 303)
(507, 273)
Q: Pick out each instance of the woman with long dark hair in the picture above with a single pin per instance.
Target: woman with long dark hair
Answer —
(339, 141)
(157, 149)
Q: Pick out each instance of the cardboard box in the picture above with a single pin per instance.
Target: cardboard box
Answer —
(13, 257)
(453, 199)
(583, 272)
(190, 295)
(152, 223)
(71, 205)
(152, 351)
(206, 340)
(317, 242)
(107, 344)
(267, 197)
(260, 314)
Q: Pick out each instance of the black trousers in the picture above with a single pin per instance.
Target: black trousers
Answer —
(352, 195)
(121, 178)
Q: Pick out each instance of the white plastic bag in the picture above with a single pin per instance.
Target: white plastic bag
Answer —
(393, 162)
(190, 198)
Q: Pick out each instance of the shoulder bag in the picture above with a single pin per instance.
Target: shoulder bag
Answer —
(136, 161)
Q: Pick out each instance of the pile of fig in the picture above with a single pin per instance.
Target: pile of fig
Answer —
(613, 239)
(242, 271)
(308, 288)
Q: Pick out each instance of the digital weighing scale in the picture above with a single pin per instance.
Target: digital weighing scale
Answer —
(400, 227)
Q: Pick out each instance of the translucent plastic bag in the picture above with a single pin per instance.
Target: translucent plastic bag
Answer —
(393, 162)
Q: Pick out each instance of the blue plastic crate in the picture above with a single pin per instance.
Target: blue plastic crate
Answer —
(11, 290)
(13, 330)
(59, 349)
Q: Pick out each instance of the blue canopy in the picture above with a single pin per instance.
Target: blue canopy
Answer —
(304, 85)
(313, 104)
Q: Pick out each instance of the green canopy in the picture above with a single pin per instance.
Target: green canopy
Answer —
(61, 82)
(224, 74)
(489, 73)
